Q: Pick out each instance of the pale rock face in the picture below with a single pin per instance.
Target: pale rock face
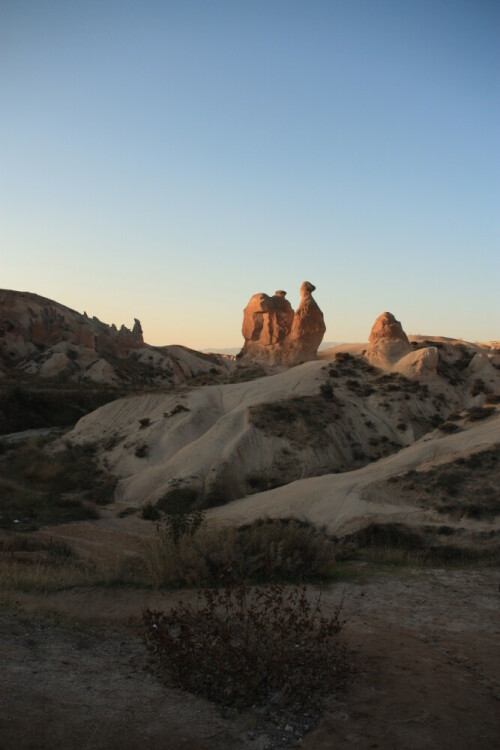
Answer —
(420, 363)
(480, 364)
(273, 333)
(57, 363)
(101, 372)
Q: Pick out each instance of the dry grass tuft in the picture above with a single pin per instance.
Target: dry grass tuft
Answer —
(266, 550)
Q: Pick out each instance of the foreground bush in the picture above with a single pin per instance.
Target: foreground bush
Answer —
(188, 552)
(241, 646)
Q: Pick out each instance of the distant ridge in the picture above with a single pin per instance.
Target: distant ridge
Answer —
(43, 338)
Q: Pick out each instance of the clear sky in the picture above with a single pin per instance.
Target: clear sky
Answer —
(167, 160)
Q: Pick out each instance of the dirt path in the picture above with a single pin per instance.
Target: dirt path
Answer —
(429, 665)
(427, 672)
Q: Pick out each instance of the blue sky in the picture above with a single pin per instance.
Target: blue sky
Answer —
(166, 160)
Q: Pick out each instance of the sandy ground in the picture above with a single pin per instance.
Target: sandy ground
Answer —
(426, 671)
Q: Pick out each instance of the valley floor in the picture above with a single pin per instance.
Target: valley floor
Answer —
(427, 656)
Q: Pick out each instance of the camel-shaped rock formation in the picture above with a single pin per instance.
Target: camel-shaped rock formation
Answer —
(274, 334)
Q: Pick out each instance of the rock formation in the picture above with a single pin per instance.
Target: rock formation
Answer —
(29, 322)
(390, 349)
(41, 337)
(273, 333)
(308, 327)
(388, 342)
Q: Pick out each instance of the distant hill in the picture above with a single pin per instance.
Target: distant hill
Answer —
(44, 339)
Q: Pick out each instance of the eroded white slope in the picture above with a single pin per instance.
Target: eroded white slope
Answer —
(205, 438)
(341, 503)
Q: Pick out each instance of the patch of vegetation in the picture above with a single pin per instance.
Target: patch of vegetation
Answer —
(51, 551)
(240, 646)
(244, 373)
(478, 387)
(144, 422)
(210, 377)
(453, 363)
(397, 544)
(150, 512)
(465, 488)
(302, 419)
(476, 413)
(141, 450)
(391, 383)
(492, 399)
(137, 374)
(179, 499)
(176, 410)
(39, 487)
(448, 428)
(26, 407)
(127, 512)
(188, 552)
(258, 483)
(110, 442)
(360, 388)
(29, 563)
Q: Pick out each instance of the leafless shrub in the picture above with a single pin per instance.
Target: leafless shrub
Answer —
(240, 646)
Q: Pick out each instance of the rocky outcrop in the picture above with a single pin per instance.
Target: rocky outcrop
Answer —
(29, 322)
(421, 363)
(388, 342)
(274, 334)
(267, 322)
(389, 348)
(40, 337)
(308, 327)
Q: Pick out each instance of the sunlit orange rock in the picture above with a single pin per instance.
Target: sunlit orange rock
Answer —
(388, 342)
(275, 334)
(308, 328)
(390, 349)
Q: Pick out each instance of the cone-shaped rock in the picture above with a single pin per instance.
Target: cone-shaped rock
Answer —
(388, 342)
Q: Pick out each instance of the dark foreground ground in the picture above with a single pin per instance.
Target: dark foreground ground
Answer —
(73, 672)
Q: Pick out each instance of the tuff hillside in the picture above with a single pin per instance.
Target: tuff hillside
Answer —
(321, 440)
(333, 418)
